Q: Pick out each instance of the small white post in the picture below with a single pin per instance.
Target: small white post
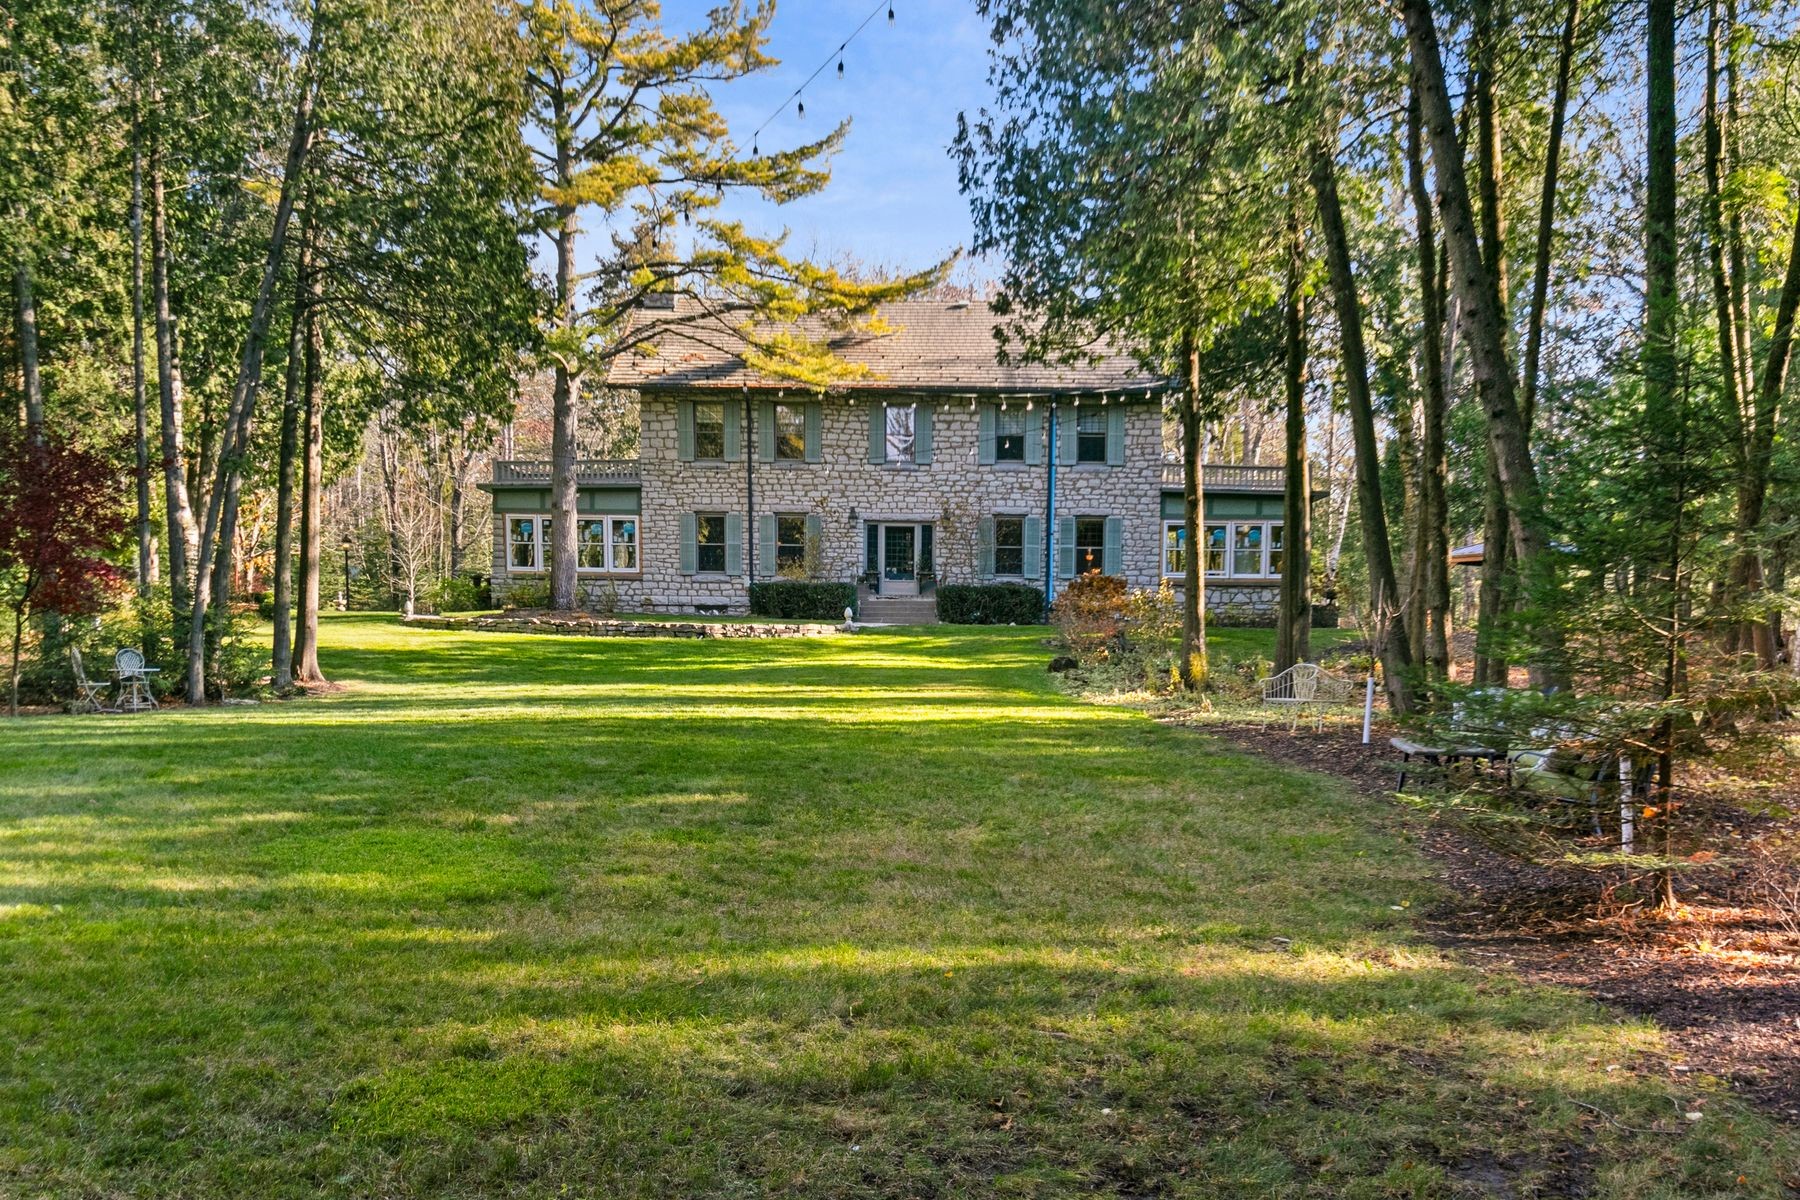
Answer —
(1627, 810)
(1368, 706)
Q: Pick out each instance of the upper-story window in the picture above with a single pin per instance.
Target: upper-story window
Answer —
(902, 431)
(709, 429)
(1009, 435)
(790, 433)
(1090, 435)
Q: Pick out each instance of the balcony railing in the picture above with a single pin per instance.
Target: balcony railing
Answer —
(588, 471)
(1231, 478)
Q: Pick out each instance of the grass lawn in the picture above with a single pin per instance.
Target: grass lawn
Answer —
(872, 916)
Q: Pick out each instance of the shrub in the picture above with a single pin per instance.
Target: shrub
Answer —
(1091, 614)
(990, 604)
(529, 593)
(802, 599)
(458, 593)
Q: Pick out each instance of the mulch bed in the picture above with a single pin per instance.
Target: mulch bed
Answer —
(1723, 979)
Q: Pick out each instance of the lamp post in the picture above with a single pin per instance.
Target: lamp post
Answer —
(344, 595)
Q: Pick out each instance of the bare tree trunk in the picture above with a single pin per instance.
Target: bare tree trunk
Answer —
(567, 388)
(291, 404)
(1293, 637)
(26, 296)
(306, 632)
(1433, 534)
(1193, 668)
(183, 534)
(236, 434)
(146, 535)
(1753, 485)
(1482, 319)
(1546, 228)
(1387, 626)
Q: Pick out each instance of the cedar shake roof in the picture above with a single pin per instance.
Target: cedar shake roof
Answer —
(931, 346)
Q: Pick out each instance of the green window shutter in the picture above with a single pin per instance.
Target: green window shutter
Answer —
(1066, 445)
(878, 432)
(814, 417)
(985, 436)
(1115, 435)
(1112, 554)
(815, 532)
(765, 430)
(922, 435)
(765, 544)
(684, 430)
(1065, 548)
(734, 431)
(1034, 548)
(734, 543)
(690, 550)
(1034, 436)
(985, 548)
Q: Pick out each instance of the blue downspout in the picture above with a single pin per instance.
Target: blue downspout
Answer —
(1050, 518)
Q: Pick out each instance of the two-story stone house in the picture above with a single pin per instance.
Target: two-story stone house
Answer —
(936, 465)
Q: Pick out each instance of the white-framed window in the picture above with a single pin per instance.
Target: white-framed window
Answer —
(522, 544)
(902, 432)
(1215, 538)
(602, 544)
(622, 543)
(1233, 549)
(790, 433)
(1009, 546)
(1174, 547)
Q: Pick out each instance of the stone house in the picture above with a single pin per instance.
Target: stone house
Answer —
(936, 465)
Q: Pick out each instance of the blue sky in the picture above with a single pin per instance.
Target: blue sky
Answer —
(893, 199)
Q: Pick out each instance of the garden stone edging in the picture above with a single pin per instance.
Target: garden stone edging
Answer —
(606, 627)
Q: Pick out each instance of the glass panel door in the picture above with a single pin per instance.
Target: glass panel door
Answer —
(899, 560)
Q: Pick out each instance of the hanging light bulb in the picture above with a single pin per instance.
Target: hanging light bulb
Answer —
(1029, 405)
(840, 62)
(890, 14)
(802, 108)
(754, 152)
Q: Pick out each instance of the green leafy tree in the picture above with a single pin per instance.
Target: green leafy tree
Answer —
(624, 133)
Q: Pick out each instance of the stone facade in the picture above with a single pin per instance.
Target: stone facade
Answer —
(846, 494)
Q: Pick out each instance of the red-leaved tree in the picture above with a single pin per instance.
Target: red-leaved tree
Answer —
(61, 514)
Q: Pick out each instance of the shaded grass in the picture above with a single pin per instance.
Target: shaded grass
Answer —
(873, 916)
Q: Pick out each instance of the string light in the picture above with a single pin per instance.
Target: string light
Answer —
(838, 57)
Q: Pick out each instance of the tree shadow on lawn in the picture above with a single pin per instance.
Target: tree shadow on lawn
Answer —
(635, 946)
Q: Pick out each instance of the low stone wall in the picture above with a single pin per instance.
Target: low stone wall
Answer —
(570, 624)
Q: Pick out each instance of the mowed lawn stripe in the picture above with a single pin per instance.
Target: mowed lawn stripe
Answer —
(882, 915)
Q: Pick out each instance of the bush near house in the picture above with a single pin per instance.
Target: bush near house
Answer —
(990, 604)
(802, 599)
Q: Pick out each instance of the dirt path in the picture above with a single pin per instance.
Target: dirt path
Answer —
(1724, 981)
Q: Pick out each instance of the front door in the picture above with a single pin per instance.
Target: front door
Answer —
(899, 560)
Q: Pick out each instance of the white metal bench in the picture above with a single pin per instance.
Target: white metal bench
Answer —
(1306, 686)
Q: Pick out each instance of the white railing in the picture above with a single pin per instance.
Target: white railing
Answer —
(587, 471)
(1232, 478)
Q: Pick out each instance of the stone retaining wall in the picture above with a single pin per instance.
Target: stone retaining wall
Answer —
(569, 624)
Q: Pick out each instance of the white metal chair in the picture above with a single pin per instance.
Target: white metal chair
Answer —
(90, 697)
(1305, 686)
(134, 681)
